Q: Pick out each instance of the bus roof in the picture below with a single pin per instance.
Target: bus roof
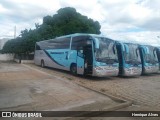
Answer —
(135, 43)
(77, 34)
(127, 43)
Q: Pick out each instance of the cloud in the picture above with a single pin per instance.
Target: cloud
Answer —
(121, 19)
(2, 9)
(22, 12)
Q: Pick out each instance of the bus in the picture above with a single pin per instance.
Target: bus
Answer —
(158, 55)
(149, 59)
(129, 59)
(84, 54)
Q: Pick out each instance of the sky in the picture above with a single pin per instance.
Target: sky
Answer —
(124, 20)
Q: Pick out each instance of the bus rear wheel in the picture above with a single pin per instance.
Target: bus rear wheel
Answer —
(42, 64)
(73, 69)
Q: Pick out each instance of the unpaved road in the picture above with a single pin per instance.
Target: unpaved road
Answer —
(144, 91)
(25, 88)
(30, 87)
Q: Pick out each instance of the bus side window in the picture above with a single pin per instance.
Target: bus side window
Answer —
(137, 52)
(114, 49)
(80, 53)
(154, 53)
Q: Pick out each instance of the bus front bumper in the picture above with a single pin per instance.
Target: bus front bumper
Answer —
(151, 69)
(132, 71)
(104, 71)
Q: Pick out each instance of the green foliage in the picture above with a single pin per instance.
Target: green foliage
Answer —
(66, 21)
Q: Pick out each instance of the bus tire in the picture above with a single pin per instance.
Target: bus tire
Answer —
(73, 69)
(42, 64)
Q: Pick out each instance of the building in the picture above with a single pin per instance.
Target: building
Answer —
(5, 57)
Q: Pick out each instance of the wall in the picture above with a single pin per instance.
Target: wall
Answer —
(6, 57)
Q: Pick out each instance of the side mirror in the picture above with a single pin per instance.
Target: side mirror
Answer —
(146, 50)
(96, 43)
(154, 52)
(123, 49)
(114, 47)
(126, 48)
(137, 52)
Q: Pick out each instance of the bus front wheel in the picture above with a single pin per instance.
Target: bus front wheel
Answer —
(42, 63)
(73, 69)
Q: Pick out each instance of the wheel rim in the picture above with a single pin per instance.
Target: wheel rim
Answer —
(74, 70)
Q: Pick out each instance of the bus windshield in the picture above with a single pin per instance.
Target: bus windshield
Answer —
(151, 57)
(132, 57)
(107, 51)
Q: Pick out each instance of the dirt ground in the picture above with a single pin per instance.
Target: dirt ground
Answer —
(143, 91)
(25, 88)
(36, 88)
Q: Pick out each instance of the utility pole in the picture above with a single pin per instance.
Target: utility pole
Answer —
(14, 32)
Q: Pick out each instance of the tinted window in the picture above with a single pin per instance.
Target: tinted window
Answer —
(80, 41)
(59, 43)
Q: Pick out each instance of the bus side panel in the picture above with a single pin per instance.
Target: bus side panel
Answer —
(72, 57)
(58, 58)
(63, 58)
(38, 56)
(48, 60)
(80, 63)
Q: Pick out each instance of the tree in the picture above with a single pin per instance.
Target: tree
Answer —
(66, 21)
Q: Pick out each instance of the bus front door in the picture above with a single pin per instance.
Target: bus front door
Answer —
(88, 60)
(85, 60)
